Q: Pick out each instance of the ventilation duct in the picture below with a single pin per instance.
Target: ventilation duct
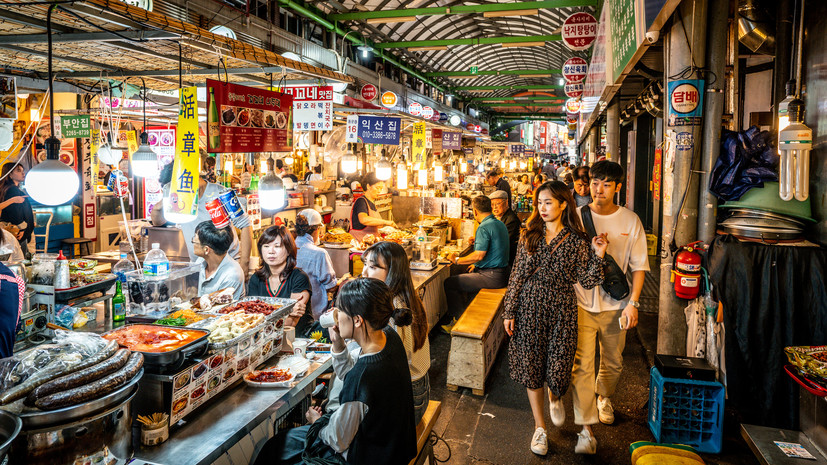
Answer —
(756, 29)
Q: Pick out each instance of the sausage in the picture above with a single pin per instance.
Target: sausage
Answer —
(80, 377)
(54, 370)
(95, 389)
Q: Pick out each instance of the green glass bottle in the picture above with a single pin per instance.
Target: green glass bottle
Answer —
(118, 304)
(213, 123)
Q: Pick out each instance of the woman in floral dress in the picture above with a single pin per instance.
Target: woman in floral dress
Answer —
(540, 305)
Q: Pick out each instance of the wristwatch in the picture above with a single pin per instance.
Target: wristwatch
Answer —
(634, 303)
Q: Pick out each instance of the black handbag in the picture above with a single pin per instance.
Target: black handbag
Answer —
(614, 279)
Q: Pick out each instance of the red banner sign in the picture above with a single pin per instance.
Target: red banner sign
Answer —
(248, 119)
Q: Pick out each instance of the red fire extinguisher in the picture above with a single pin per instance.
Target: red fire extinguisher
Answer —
(686, 271)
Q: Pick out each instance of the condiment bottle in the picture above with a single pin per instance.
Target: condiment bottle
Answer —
(61, 272)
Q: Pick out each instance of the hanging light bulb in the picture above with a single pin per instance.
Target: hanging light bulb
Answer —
(359, 165)
(34, 115)
(263, 165)
(480, 167)
(349, 161)
(502, 163)
(145, 160)
(271, 193)
(288, 160)
(384, 168)
(513, 165)
(228, 164)
(522, 165)
(463, 167)
(422, 178)
(438, 173)
(401, 176)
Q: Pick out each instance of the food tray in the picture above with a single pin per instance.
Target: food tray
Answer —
(337, 245)
(216, 346)
(35, 419)
(285, 306)
(173, 359)
(66, 295)
(10, 426)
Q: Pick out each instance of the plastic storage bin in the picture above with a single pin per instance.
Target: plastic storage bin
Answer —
(154, 297)
(685, 411)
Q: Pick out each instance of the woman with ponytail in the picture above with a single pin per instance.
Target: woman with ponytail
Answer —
(540, 311)
(388, 262)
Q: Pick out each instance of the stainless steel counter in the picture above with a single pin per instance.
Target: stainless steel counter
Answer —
(230, 425)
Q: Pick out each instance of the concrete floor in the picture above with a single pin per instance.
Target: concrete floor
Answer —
(497, 428)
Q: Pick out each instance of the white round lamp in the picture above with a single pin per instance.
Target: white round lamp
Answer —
(52, 182)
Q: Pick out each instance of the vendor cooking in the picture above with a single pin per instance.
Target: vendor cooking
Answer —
(206, 192)
(211, 244)
(364, 219)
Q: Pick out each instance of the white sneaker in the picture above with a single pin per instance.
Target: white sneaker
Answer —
(605, 411)
(539, 443)
(586, 444)
(557, 411)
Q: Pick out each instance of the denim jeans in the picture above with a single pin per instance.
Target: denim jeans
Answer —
(421, 396)
(286, 448)
(460, 289)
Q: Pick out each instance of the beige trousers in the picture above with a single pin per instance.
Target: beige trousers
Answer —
(593, 328)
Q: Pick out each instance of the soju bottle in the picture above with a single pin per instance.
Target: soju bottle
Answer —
(118, 304)
(213, 123)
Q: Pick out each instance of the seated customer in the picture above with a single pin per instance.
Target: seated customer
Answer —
(279, 277)
(210, 245)
(375, 422)
(489, 261)
(314, 260)
(502, 210)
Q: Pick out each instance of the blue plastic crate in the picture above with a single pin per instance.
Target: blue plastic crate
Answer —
(685, 411)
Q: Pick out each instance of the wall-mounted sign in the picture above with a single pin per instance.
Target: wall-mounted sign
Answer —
(685, 102)
(427, 112)
(72, 127)
(443, 117)
(312, 107)
(415, 108)
(187, 165)
(389, 99)
(573, 106)
(469, 126)
(477, 128)
(579, 31)
(247, 119)
(474, 69)
(484, 131)
(574, 90)
(369, 92)
(373, 129)
(575, 69)
(451, 140)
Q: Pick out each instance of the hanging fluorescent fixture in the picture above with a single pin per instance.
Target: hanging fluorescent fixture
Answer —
(795, 143)
(350, 163)
(401, 176)
(422, 179)
(365, 49)
(145, 160)
(384, 168)
(428, 48)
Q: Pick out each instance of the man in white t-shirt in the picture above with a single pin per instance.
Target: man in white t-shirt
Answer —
(598, 313)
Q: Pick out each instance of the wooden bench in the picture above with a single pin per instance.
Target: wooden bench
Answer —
(475, 341)
(424, 449)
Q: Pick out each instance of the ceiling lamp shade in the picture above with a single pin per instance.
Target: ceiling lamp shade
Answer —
(145, 160)
(401, 176)
(438, 173)
(271, 194)
(52, 182)
(384, 168)
(107, 155)
(350, 162)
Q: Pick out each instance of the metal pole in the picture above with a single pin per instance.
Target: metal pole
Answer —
(713, 112)
(684, 55)
(613, 131)
(783, 54)
(594, 142)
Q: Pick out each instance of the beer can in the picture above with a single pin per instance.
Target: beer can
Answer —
(231, 204)
(217, 214)
(113, 179)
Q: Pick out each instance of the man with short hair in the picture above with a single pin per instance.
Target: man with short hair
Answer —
(549, 170)
(503, 212)
(563, 170)
(495, 178)
(598, 313)
(489, 262)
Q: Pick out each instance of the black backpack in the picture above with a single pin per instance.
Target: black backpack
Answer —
(614, 279)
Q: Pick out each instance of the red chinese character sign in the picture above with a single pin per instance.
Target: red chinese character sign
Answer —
(251, 119)
(575, 69)
(685, 102)
(579, 31)
(369, 92)
(573, 90)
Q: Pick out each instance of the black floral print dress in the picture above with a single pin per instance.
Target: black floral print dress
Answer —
(544, 307)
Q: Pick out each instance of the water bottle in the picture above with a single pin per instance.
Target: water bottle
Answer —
(156, 263)
(121, 268)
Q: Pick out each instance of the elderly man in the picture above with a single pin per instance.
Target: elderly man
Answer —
(502, 210)
(489, 261)
(495, 178)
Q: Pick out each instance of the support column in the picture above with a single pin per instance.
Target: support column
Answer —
(594, 143)
(613, 131)
(685, 47)
(713, 112)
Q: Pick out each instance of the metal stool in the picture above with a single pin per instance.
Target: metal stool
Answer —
(82, 243)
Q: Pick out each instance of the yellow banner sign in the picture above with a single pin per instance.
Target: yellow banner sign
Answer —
(132, 143)
(184, 185)
(93, 149)
(418, 146)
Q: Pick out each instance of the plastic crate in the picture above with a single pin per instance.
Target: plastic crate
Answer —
(685, 411)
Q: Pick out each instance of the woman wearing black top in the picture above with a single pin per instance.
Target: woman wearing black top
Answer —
(15, 205)
(279, 277)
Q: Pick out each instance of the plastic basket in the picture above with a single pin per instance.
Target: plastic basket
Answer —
(685, 411)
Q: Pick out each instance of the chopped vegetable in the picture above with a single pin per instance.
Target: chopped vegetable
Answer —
(172, 321)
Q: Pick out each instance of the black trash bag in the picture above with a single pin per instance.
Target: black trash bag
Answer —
(748, 159)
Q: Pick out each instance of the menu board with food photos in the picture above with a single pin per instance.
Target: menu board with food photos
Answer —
(247, 119)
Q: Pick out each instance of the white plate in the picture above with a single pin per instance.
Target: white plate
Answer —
(261, 384)
(297, 364)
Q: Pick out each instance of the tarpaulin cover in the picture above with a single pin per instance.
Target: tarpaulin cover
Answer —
(773, 297)
(747, 160)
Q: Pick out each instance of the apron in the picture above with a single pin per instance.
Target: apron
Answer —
(359, 234)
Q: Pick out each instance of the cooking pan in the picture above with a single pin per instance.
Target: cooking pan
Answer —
(10, 426)
(170, 361)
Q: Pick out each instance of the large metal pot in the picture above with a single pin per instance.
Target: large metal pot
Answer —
(104, 438)
(9, 429)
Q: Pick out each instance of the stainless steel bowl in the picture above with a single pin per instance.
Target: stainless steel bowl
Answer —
(10, 426)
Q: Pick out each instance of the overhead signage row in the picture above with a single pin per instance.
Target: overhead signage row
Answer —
(373, 129)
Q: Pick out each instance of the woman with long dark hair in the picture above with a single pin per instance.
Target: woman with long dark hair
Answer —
(540, 311)
(15, 208)
(388, 262)
(279, 277)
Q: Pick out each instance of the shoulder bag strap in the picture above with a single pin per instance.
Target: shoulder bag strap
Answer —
(588, 223)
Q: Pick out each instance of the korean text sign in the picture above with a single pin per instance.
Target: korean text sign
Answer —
(73, 127)
(312, 107)
(374, 130)
(685, 102)
(451, 140)
(251, 119)
(418, 145)
(186, 169)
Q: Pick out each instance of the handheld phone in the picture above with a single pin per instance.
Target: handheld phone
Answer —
(623, 321)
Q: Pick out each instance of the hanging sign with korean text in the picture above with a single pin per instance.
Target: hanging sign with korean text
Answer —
(579, 31)
(451, 140)
(573, 106)
(312, 107)
(415, 108)
(185, 171)
(685, 102)
(389, 99)
(369, 92)
(418, 146)
(573, 90)
(575, 69)
(373, 129)
(75, 126)
(427, 112)
(249, 119)
(436, 140)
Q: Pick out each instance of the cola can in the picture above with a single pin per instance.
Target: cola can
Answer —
(217, 214)
(231, 204)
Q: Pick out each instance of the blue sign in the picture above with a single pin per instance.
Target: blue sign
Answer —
(451, 140)
(379, 130)
(685, 102)
(443, 117)
(517, 149)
